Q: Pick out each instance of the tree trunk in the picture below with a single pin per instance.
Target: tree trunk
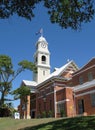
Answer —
(2, 99)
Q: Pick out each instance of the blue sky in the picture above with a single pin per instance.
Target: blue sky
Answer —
(17, 40)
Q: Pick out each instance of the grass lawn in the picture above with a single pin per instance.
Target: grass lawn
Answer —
(78, 123)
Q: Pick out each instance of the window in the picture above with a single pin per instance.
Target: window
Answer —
(60, 107)
(44, 96)
(43, 60)
(90, 76)
(37, 46)
(23, 107)
(36, 60)
(80, 106)
(39, 106)
(92, 99)
(81, 80)
(44, 72)
(50, 104)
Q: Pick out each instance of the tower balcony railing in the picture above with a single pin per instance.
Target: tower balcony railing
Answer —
(43, 62)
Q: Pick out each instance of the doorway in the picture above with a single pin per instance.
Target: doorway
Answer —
(32, 114)
(80, 106)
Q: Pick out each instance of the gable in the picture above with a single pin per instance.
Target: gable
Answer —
(88, 65)
(65, 72)
(69, 70)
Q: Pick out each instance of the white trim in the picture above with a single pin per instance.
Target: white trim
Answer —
(29, 83)
(43, 66)
(85, 93)
(60, 85)
(50, 93)
(55, 107)
(83, 70)
(63, 88)
(84, 86)
(63, 101)
(47, 87)
(33, 91)
(60, 89)
(53, 91)
(40, 97)
(46, 94)
(28, 117)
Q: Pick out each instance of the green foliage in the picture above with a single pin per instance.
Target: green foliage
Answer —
(5, 112)
(8, 74)
(28, 65)
(77, 123)
(62, 113)
(43, 114)
(22, 8)
(50, 113)
(21, 92)
(70, 13)
(67, 13)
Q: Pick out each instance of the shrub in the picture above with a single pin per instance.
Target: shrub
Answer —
(50, 114)
(62, 113)
(43, 114)
(5, 112)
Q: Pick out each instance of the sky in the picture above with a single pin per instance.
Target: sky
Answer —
(18, 38)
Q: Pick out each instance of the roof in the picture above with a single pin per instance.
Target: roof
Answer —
(88, 65)
(41, 39)
(59, 71)
(56, 73)
(29, 83)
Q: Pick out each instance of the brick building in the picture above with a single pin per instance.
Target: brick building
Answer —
(68, 91)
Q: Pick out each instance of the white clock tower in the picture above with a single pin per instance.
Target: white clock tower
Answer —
(42, 60)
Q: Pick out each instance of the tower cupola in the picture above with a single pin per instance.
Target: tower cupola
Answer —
(42, 60)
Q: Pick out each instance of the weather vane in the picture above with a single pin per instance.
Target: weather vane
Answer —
(40, 32)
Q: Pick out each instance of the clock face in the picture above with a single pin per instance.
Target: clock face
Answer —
(43, 44)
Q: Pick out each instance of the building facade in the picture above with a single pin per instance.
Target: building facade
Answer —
(68, 91)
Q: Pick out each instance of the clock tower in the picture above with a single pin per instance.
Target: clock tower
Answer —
(41, 60)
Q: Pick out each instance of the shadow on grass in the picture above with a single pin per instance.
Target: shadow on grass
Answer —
(78, 123)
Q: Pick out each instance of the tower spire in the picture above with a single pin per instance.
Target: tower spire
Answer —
(40, 32)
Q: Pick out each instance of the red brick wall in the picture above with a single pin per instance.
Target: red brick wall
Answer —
(70, 102)
(88, 108)
(75, 79)
(45, 100)
(60, 94)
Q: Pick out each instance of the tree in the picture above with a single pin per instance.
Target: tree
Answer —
(7, 110)
(21, 93)
(66, 13)
(8, 74)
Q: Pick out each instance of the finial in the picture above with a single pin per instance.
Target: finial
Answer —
(68, 60)
(40, 32)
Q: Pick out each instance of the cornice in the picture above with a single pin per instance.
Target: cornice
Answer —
(43, 66)
(76, 73)
(42, 52)
(84, 86)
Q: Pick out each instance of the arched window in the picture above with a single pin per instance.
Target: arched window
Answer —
(36, 60)
(81, 80)
(43, 59)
